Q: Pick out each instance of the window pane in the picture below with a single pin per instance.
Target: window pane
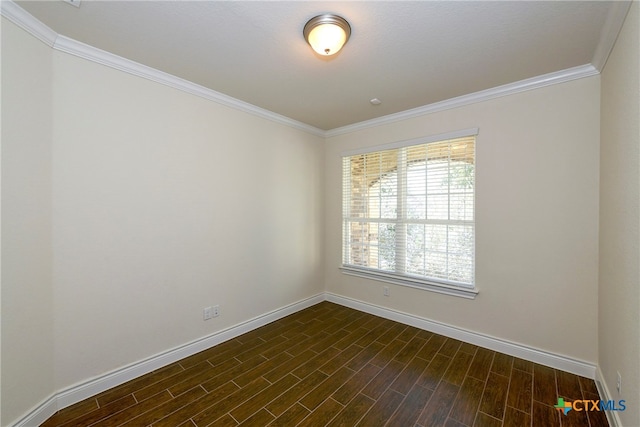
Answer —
(387, 248)
(436, 264)
(415, 248)
(461, 206)
(411, 210)
(438, 206)
(436, 237)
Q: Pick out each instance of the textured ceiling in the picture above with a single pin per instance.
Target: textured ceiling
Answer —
(406, 53)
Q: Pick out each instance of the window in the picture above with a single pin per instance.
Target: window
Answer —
(408, 213)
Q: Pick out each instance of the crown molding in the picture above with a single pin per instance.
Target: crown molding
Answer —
(85, 51)
(27, 22)
(610, 31)
(562, 76)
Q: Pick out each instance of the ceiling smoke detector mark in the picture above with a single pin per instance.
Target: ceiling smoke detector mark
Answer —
(75, 3)
(375, 101)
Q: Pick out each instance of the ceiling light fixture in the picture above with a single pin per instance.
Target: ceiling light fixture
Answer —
(327, 33)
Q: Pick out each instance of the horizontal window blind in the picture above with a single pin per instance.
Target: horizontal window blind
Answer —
(409, 211)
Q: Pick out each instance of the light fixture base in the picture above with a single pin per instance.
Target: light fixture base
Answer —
(327, 33)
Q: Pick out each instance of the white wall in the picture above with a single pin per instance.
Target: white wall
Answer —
(128, 206)
(27, 309)
(536, 219)
(619, 290)
(164, 203)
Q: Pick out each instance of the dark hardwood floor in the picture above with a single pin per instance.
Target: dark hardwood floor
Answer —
(330, 365)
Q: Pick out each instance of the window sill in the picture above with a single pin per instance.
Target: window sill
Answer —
(441, 288)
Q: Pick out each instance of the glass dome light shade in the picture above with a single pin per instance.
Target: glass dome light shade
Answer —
(327, 34)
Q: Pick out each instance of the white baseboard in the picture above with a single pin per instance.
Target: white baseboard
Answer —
(91, 387)
(79, 392)
(605, 394)
(564, 363)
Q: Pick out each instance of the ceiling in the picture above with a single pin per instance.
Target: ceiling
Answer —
(407, 54)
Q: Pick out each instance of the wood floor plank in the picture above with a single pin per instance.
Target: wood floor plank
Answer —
(260, 418)
(481, 364)
(157, 387)
(523, 365)
(289, 398)
(137, 383)
(520, 391)
(332, 365)
(372, 335)
(502, 364)
(222, 406)
(226, 347)
(280, 371)
(348, 390)
(353, 412)
(102, 412)
(457, 370)
(262, 398)
(568, 385)
(544, 385)
(388, 352)
(411, 407)
(545, 415)
(184, 384)
(596, 418)
(514, 417)
(166, 408)
(434, 372)
(117, 418)
(260, 348)
(321, 345)
(384, 378)
(450, 347)
(468, 348)
(351, 338)
(306, 344)
(408, 333)
(588, 386)
(257, 371)
(340, 359)
(466, 404)
(391, 334)
(408, 377)
(232, 373)
(365, 356)
(431, 347)
(484, 420)
(437, 410)
(291, 416)
(574, 419)
(322, 414)
(315, 362)
(382, 410)
(72, 412)
(495, 395)
(410, 350)
(198, 405)
(326, 388)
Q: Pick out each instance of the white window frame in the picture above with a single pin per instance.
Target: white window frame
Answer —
(442, 286)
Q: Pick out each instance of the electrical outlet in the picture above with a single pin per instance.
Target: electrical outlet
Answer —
(207, 313)
(385, 291)
(216, 311)
(618, 382)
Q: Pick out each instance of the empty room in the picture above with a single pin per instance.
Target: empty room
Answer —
(311, 213)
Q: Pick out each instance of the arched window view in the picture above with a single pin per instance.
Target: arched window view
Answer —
(410, 211)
